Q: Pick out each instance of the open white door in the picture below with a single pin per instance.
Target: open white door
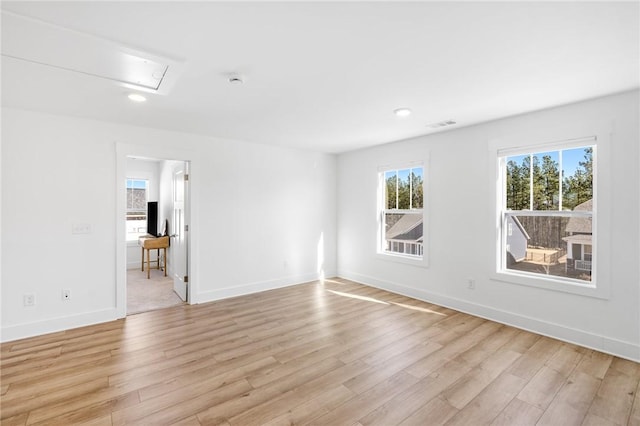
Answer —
(179, 237)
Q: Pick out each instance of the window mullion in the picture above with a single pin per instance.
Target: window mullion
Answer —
(397, 188)
(560, 177)
(530, 181)
(410, 190)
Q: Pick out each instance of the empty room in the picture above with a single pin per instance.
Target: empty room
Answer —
(328, 213)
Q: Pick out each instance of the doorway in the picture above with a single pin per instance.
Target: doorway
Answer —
(149, 294)
(167, 283)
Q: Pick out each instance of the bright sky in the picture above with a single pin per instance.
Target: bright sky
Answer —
(136, 184)
(404, 173)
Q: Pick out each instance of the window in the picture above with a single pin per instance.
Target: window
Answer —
(547, 213)
(401, 216)
(137, 190)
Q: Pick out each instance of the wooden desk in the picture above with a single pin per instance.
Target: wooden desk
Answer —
(154, 243)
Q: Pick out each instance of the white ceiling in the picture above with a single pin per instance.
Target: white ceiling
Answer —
(327, 76)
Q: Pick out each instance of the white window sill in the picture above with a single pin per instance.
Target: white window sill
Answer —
(551, 283)
(407, 260)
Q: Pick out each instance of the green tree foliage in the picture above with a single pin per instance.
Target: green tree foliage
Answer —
(409, 193)
(517, 185)
(579, 188)
(541, 178)
(404, 195)
(546, 184)
(417, 185)
(390, 193)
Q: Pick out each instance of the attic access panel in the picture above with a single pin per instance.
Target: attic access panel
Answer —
(136, 70)
(42, 43)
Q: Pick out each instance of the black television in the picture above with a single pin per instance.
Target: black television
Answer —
(152, 218)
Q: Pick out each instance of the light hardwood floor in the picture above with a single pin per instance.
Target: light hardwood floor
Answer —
(336, 353)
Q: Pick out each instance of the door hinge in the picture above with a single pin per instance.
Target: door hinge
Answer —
(186, 228)
(186, 177)
(186, 279)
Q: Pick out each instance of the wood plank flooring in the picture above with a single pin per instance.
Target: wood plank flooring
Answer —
(332, 353)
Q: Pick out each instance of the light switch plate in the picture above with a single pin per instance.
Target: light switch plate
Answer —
(81, 228)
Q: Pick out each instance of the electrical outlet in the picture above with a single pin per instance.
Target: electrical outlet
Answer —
(29, 299)
(66, 294)
(471, 284)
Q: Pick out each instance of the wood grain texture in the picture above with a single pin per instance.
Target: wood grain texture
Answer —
(518, 413)
(324, 353)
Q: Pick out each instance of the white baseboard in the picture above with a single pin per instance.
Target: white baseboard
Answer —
(22, 331)
(600, 343)
(244, 289)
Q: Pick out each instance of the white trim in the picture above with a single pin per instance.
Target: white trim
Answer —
(547, 146)
(402, 165)
(404, 259)
(260, 286)
(622, 349)
(22, 331)
(548, 282)
(557, 213)
(52, 325)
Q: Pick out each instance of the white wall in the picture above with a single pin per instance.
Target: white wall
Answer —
(460, 213)
(260, 213)
(165, 200)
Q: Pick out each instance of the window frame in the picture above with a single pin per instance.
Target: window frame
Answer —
(382, 210)
(599, 285)
(129, 236)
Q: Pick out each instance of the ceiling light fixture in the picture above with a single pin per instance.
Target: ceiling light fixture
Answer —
(442, 124)
(235, 79)
(402, 112)
(136, 97)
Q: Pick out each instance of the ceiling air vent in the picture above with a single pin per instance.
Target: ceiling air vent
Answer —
(444, 123)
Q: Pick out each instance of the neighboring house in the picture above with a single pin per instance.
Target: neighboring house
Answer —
(517, 241)
(579, 241)
(405, 236)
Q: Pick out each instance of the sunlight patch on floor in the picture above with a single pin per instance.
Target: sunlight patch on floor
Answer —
(418, 308)
(355, 296)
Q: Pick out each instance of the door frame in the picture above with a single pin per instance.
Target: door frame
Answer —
(184, 167)
(124, 150)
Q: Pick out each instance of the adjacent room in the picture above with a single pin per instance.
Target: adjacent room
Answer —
(150, 207)
(330, 213)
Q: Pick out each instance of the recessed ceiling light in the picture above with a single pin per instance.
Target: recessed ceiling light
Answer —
(136, 97)
(402, 112)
